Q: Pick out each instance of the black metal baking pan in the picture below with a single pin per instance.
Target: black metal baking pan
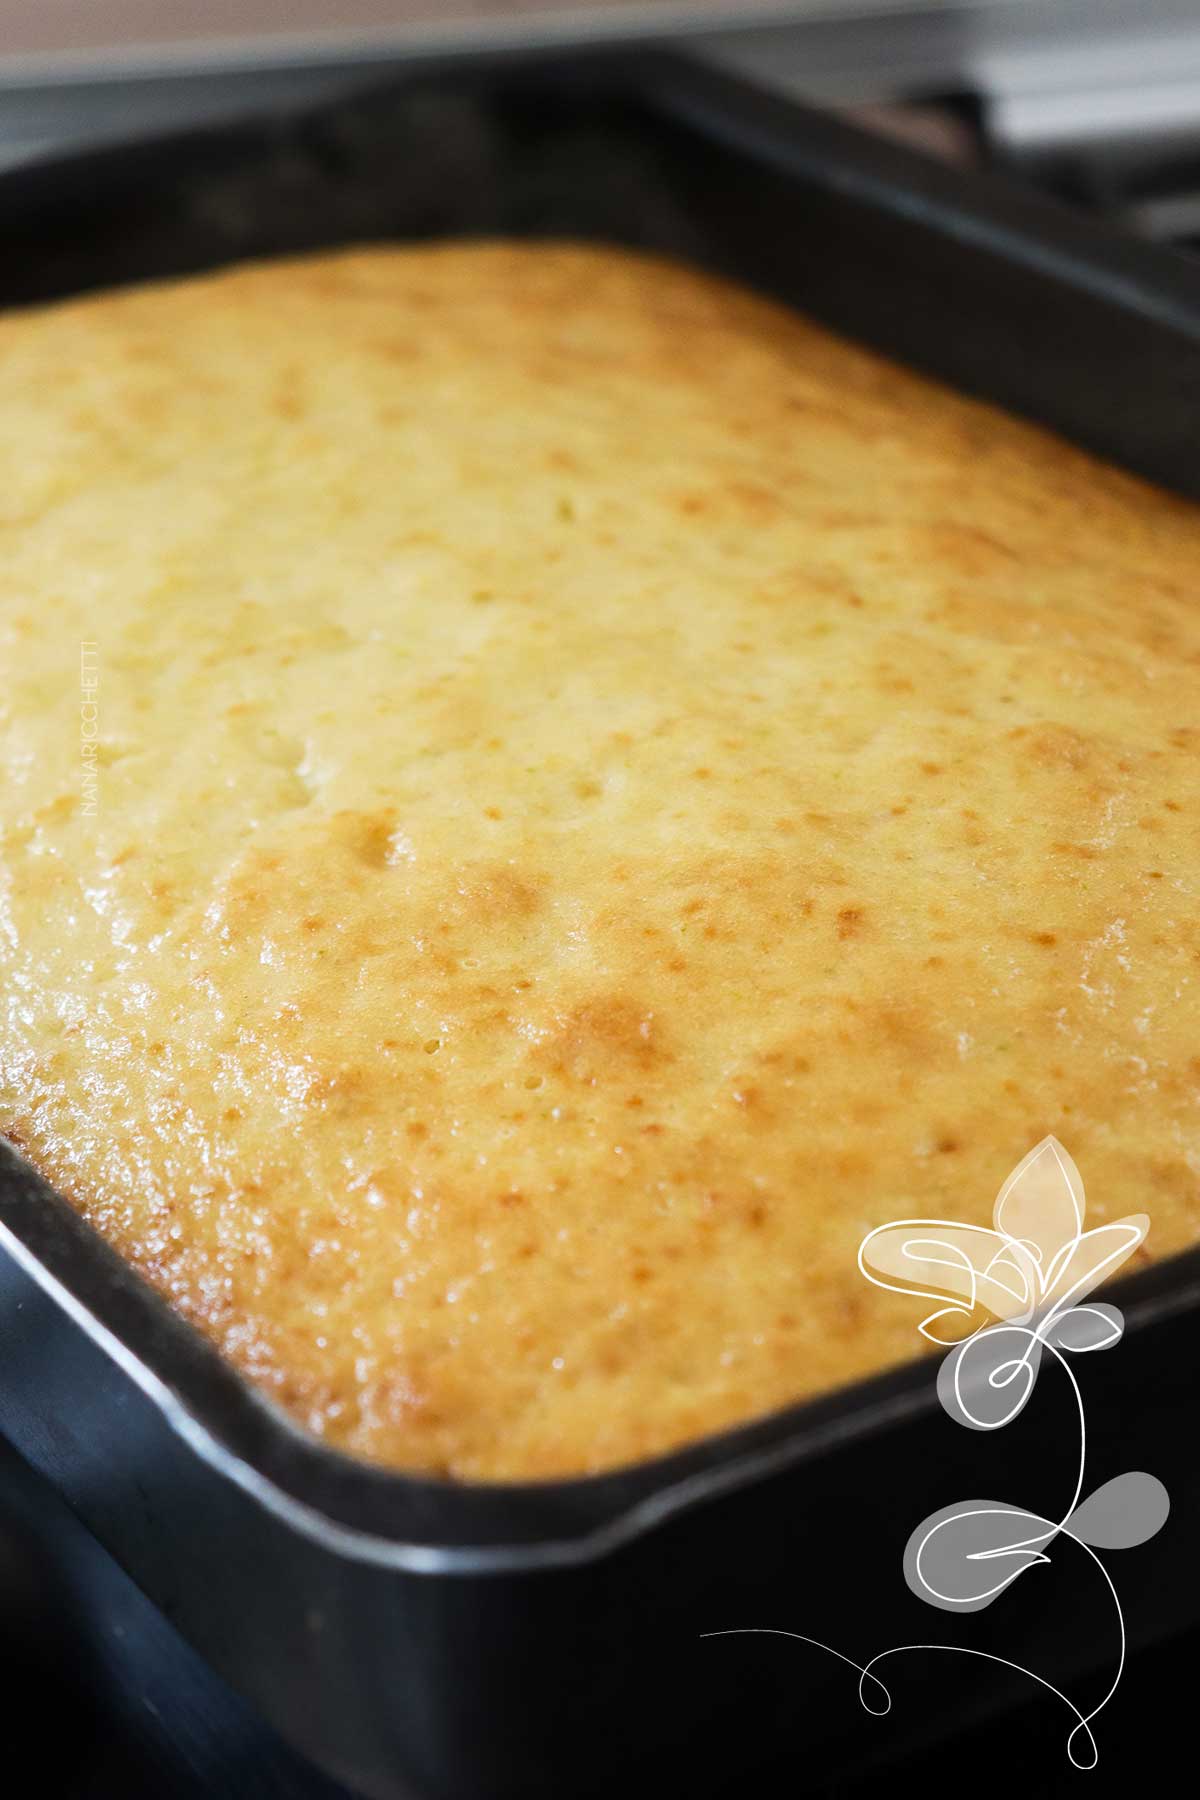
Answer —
(456, 1642)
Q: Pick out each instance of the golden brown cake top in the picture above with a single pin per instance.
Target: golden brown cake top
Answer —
(605, 793)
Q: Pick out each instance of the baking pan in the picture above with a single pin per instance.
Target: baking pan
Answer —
(473, 1642)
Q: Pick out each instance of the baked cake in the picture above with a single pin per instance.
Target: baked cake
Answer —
(542, 796)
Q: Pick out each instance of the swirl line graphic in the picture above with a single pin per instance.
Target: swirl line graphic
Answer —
(1031, 1272)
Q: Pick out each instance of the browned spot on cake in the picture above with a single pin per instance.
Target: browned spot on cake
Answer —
(367, 834)
(1057, 747)
(604, 1036)
(851, 921)
(493, 893)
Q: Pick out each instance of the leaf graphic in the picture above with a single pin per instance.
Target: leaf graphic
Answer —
(974, 1267)
(1041, 1205)
(986, 1381)
(1097, 1254)
(961, 1557)
(1127, 1510)
(1096, 1326)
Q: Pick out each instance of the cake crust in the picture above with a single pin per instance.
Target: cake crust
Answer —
(604, 794)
